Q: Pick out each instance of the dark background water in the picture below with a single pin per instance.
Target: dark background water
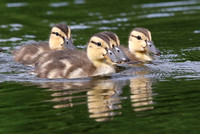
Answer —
(159, 98)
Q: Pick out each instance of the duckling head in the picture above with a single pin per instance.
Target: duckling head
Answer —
(60, 37)
(100, 52)
(140, 40)
(115, 45)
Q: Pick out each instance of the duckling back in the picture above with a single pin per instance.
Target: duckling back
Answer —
(65, 64)
(29, 54)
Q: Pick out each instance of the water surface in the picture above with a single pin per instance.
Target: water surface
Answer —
(159, 97)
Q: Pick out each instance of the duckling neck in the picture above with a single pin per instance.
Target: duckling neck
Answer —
(143, 56)
(103, 68)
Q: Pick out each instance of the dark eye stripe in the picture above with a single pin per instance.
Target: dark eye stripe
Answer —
(57, 34)
(138, 37)
(96, 43)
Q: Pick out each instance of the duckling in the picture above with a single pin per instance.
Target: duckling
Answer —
(115, 45)
(140, 45)
(60, 38)
(98, 60)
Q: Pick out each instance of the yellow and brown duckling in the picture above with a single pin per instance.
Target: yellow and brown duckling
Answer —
(141, 46)
(60, 38)
(98, 60)
(115, 45)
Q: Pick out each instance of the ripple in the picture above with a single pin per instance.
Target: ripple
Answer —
(109, 21)
(17, 4)
(13, 39)
(108, 28)
(80, 26)
(3, 26)
(29, 36)
(177, 69)
(197, 31)
(13, 27)
(49, 12)
(190, 49)
(59, 4)
(167, 4)
(176, 9)
(156, 15)
(94, 14)
(79, 1)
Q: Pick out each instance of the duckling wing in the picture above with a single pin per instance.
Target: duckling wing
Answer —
(64, 64)
(29, 54)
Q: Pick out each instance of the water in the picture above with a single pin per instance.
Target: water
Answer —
(160, 97)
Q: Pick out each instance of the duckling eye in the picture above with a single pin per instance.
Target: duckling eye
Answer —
(118, 50)
(57, 33)
(139, 37)
(98, 44)
(113, 45)
(110, 53)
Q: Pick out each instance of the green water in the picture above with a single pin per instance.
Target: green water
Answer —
(162, 97)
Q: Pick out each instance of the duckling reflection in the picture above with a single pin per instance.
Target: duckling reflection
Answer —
(103, 99)
(101, 96)
(64, 94)
(141, 91)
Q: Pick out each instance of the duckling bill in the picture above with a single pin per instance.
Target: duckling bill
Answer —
(115, 45)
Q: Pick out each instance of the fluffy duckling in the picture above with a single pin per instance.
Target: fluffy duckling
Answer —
(60, 38)
(115, 45)
(140, 45)
(99, 60)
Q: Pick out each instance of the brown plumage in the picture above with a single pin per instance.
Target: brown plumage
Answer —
(30, 54)
(98, 60)
(60, 64)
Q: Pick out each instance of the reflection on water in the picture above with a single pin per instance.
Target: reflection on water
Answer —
(65, 92)
(104, 99)
(141, 92)
(103, 96)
